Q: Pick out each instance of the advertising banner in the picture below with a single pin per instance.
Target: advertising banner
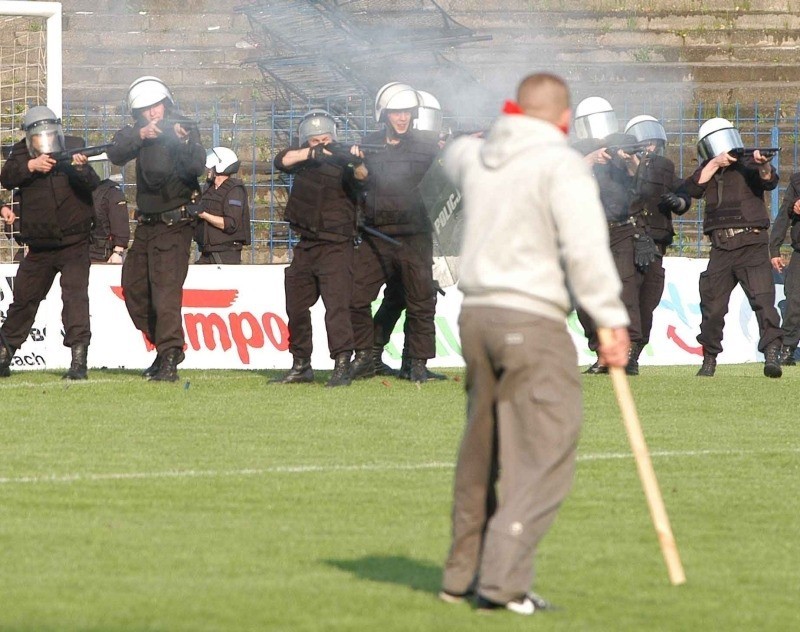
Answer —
(235, 317)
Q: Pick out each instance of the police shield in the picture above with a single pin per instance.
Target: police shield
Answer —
(443, 203)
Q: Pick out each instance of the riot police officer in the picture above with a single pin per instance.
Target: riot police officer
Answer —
(394, 206)
(112, 230)
(596, 127)
(169, 161)
(654, 187)
(737, 222)
(55, 220)
(322, 210)
(428, 122)
(788, 217)
(225, 217)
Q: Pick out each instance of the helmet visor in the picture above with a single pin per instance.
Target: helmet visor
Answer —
(428, 120)
(44, 138)
(597, 125)
(719, 142)
(648, 130)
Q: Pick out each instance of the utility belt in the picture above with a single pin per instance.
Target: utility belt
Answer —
(732, 232)
(630, 220)
(175, 216)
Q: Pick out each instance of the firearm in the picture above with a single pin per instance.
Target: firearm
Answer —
(767, 152)
(341, 152)
(633, 148)
(478, 133)
(184, 121)
(66, 155)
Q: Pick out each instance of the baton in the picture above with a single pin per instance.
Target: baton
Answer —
(647, 475)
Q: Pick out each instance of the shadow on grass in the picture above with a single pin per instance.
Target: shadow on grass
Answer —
(393, 569)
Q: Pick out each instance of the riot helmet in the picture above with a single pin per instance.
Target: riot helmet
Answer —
(396, 96)
(647, 128)
(594, 118)
(43, 132)
(222, 161)
(146, 92)
(316, 123)
(429, 114)
(717, 136)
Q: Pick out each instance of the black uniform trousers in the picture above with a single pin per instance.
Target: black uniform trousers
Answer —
(152, 281)
(35, 277)
(392, 306)
(791, 310)
(376, 262)
(650, 284)
(320, 269)
(741, 259)
(221, 257)
(621, 241)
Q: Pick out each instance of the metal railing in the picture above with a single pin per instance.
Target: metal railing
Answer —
(258, 131)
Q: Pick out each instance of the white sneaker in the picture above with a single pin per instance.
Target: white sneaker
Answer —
(521, 605)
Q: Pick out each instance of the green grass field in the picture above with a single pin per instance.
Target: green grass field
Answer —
(224, 503)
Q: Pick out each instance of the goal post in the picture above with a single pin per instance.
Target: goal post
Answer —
(51, 13)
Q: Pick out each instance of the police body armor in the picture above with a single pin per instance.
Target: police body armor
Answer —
(213, 202)
(654, 177)
(612, 178)
(160, 187)
(734, 198)
(614, 183)
(393, 201)
(794, 218)
(52, 212)
(100, 246)
(322, 204)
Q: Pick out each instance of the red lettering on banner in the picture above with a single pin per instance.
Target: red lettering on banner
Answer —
(209, 324)
(242, 330)
(255, 338)
(197, 298)
(269, 320)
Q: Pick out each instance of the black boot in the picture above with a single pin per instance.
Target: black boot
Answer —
(787, 355)
(772, 360)
(341, 371)
(597, 369)
(300, 373)
(6, 354)
(632, 368)
(77, 370)
(709, 365)
(168, 369)
(380, 367)
(153, 368)
(418, 373)
(405, 368)
(362, 365)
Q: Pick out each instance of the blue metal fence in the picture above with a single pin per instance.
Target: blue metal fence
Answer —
(258, 130)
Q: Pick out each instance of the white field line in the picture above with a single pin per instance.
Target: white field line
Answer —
(378, 467)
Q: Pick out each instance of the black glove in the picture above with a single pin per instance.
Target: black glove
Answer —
(193, 210)
(342, 156)
(644, 251)
(671, 203)
(315, 153)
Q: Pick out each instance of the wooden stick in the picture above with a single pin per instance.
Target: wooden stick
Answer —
(647, 475)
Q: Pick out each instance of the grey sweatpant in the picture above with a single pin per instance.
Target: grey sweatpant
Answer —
(517, 456)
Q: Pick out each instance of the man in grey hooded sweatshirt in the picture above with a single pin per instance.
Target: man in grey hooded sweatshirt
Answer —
(533, 240)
